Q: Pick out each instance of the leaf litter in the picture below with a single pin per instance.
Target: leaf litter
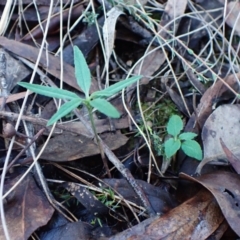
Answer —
(186, 55)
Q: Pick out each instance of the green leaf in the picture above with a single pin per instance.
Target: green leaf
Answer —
(105, 107)
(175, 125)
(171, 147)
(190, 51)
(187, 136)
(82, 72)
(107, 92)
(192, 149)
(49, 91)
(64, 110)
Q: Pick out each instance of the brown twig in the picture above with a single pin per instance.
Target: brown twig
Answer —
(33, 139)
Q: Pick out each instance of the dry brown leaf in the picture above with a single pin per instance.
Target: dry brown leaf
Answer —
(15, 70)
(153, 61)
(223, 124)
(70, 231)
(216, 92)
(235, 162)
(109, 30)
(158, 198)
(87, 199)
(149, 64)
(27, 210)
(225, 187)
(195, 219)
(172, 12)
(233, 18)
(69, 147)
(38, 30)
(51, 65)
(14, 97)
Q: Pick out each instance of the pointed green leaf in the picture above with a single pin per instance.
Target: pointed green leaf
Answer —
(64, 110)
(171, 146)
(175, 125)
(49, 91)
(192, 149)
(107, 92)
(187, 136)
(105, 107)
(82, 72)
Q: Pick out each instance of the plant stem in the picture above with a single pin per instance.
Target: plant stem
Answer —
(124, 171)
(89, 108)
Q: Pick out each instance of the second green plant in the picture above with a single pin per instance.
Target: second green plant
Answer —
(181, 140)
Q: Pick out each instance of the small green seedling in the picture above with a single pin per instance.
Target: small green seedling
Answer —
(95, 100)
(183, 140)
